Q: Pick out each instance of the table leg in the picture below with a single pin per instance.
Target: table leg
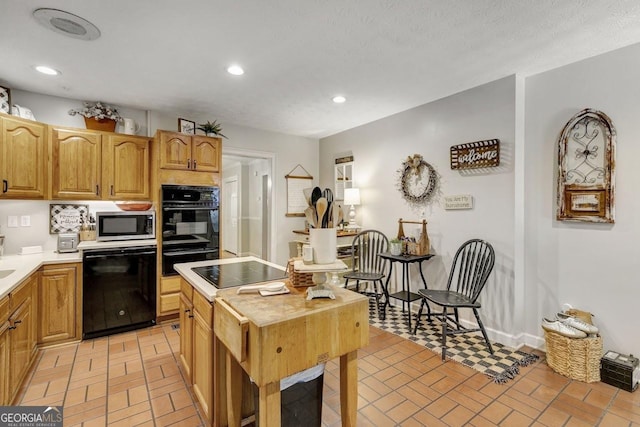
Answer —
(407, 282)
(234, 394)
(348, 388)
(386, 293)
(269, 404)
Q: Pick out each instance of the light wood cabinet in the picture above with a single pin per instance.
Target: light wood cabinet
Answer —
(189, 152)
(202, 366)
(186, 334)
(125, 167)
(22, 158)
(4, 350)
(76, 157)
(169, 295)
(22, 331)
(59, 313)
(91, 165)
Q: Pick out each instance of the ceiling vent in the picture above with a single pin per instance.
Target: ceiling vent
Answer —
(66, 23)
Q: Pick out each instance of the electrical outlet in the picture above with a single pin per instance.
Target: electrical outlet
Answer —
(12, 221)
(25, 221)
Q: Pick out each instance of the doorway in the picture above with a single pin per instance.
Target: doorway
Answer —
(247, 188)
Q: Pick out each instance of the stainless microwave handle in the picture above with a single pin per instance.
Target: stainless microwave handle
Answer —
(118, 254)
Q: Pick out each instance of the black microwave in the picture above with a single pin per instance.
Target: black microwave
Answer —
(125, 225)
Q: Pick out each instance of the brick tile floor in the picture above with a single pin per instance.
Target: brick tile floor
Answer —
(133, 379)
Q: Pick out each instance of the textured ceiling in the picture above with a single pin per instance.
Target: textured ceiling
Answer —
(385, 56)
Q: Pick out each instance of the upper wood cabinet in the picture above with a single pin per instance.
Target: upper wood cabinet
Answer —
(90, 165)
(76, 157)
(125, 167)
(22, 158)
(189, 152)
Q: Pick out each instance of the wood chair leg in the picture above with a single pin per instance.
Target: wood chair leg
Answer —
(375, 290)
(444, 334)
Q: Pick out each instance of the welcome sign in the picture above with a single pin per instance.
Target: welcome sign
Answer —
(479, 154)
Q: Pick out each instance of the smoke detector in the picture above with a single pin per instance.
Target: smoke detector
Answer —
(66, 23)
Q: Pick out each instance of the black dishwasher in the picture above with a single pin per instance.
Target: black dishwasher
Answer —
(119, 290)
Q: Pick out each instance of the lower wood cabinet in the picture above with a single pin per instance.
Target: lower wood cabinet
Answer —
(22, 331)
(169, 296)
(202, 368)
(59, 303)
(4, 350)
(186, 334)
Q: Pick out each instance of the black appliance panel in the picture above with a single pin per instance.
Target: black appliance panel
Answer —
(119, 290)
(239, 274)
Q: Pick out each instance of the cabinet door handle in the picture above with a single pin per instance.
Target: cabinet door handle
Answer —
(191, 316)
(188, 163)
(195, 165)
(12, 327)
(17, 321)
(111, 191)
(97, 189)
(188, 310)
(5, 185)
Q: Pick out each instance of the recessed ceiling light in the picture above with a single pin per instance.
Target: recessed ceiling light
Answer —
(339, 99)
(236, 70)
(47, 70)
(66, 23)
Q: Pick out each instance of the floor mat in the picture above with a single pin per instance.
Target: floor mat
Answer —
(468, 349)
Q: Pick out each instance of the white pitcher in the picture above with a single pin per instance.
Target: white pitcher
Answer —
(130, 127)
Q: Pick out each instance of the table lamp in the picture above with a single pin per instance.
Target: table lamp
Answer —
(352, 198)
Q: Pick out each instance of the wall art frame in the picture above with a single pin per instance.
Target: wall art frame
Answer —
(186, 126)
(5, 100)
(586, 168)
(66, 218)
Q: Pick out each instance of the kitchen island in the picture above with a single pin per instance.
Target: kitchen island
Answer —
(268, 338)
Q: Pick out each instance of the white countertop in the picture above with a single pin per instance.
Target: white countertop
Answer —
(24, 265)
(205, 288)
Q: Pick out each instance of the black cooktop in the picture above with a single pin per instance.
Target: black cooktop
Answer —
(239, 273)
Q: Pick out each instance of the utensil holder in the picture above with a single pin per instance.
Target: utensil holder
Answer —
(324, 243)
(87, 235)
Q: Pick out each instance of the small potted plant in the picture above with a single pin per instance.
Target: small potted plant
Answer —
(211, 128)
(395, 246)
(98, 116)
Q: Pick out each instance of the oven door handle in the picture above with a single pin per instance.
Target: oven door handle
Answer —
(194, 252)
(192, 208)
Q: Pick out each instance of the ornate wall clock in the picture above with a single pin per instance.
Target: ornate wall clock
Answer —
(418, 181)
(586, 163)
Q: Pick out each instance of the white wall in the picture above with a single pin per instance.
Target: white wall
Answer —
(379, 148)
(590, 266)
(288, 151)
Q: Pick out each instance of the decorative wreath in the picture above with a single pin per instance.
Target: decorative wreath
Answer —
(418, 181)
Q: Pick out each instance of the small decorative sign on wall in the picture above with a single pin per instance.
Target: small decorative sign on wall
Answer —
(459, 201)
(67, 218)
(479, 154)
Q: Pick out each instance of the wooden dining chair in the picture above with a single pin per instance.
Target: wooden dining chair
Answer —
(366, 265)
(472, 264)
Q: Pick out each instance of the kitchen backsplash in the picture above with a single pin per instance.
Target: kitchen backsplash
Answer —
(37, 233)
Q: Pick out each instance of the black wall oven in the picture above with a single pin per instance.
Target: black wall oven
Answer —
(190, 228)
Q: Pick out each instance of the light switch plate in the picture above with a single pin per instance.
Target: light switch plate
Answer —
(25, 221)
(12, 221)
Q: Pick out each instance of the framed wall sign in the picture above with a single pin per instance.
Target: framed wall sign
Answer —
(297, 180)
(586, 166)
(66, 218)
(479, 154)
(186, 126)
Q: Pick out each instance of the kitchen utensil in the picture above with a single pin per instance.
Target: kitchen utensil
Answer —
(310, 214)
(340, 213)
(328, 194)
(315, 195)
(335, 214)
(307, 194)
(321, 209)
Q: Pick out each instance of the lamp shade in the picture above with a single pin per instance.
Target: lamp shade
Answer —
(351, 196)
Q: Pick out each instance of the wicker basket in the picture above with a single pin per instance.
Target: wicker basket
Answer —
(298, 279)
(576, 358)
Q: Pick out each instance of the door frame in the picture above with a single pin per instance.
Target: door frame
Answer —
(269, 156)
(235, 179)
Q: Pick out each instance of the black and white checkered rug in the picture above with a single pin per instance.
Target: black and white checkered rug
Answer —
(468, 349)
